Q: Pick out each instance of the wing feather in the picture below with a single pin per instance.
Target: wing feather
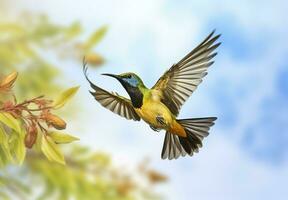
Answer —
(112, 101)
(181, 80)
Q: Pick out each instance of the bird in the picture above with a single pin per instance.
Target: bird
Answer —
(159, 106)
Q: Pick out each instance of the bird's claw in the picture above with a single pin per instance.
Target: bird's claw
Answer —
(154, 128)
(161, 120)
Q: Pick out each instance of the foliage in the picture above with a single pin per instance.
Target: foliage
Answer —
(89, 176)
(30, 122)
(24, 49)
(86, 175)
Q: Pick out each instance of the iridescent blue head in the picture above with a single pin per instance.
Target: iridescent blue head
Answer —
(133, 85)
(131, 79)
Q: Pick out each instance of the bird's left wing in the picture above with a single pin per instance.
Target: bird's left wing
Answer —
(181, 80)
(112, 101)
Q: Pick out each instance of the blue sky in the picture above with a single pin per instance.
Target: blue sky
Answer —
(245, 156)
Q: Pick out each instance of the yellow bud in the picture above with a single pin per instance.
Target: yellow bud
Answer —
(94, 59)
(8, 81)
(55, 121)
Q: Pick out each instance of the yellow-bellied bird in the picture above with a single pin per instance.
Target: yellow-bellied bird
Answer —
(160, 105)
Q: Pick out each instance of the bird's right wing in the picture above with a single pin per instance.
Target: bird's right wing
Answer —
(112, 101)
(181, 80)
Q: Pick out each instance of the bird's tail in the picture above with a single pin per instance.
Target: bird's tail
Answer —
(196, 129)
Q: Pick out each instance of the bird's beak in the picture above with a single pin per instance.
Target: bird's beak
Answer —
(119, 78)
(113, 75)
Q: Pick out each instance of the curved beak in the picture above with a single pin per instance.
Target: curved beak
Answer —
(112, 75)
(121, 80)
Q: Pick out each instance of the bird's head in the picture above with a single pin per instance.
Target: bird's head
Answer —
(133, 85)
(128, 80)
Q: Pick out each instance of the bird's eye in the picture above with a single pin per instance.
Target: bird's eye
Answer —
(129, 76)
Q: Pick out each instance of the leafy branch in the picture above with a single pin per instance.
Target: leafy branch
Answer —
(87, 174)
(31, 122)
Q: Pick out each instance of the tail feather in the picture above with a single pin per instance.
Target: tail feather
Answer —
(196, 129)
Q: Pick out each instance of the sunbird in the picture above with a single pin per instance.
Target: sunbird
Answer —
(160, 105)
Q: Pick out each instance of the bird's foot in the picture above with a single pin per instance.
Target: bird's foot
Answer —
(154, 128)
(160, 120)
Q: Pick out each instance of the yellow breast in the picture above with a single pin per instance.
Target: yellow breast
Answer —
(151, 109)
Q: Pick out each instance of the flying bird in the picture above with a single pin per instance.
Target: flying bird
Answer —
(160, 105)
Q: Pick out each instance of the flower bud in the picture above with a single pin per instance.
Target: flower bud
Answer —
(125, 186)
(31, 136)
(55, 121)
(94, 59)
(156, 177)
(8, 81)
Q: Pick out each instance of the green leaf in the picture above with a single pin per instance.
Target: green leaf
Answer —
(10, 28)
(4, 146)
(74, 30)
(17, 146)
(3, 159)
(20, 150)
(62, 138)
(95, 38)
(51, 150)
(3, 136)
(64, 97)
(16, 139)
(10, 121)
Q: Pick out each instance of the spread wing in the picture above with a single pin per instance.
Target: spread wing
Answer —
(112, 101)
(182, 79)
